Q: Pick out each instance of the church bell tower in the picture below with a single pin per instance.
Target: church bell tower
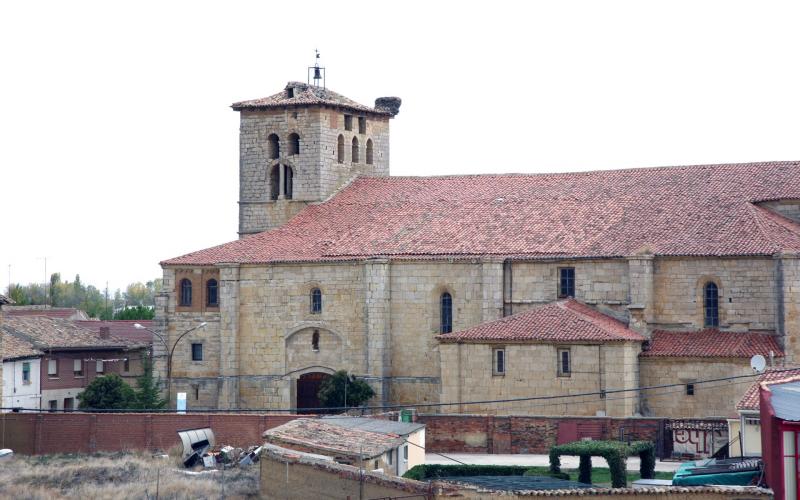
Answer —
(300, 145)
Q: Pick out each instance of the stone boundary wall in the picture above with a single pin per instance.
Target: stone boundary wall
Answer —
(46, 433)
(524, 434)
(296, 475)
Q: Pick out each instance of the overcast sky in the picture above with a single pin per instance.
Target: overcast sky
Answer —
(118, 147)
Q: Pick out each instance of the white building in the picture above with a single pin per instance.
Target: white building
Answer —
(21, 374)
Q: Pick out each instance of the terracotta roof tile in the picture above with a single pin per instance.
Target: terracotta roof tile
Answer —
(701, 211)
(711, 343)
(122, 330)
(750, 399)
(327, 438)
(50, 333)
(49, 312)
(562, 321)
(306, 95)
(15, 348)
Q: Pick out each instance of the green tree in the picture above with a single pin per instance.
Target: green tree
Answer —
(340, 385)
(108, 392)
(147, 394)
(138, 312)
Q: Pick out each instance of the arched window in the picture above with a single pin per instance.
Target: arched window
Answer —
(446, 312)
(294, 144)
(369, 151)
(275, 182)
(316, 301)
(212, 293)
(354, 159)
(711, 304)
(340, 149)
(288, 176)
(315, 340)
(273, 146)
(186, 292)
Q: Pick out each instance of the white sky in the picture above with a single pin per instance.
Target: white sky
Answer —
(118, 148)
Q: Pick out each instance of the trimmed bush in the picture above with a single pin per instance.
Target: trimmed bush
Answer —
(432, 471)
(614, 452)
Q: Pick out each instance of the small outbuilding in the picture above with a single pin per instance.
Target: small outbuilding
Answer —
(385, 445)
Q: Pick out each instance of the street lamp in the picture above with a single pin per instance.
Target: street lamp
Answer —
(171, 350)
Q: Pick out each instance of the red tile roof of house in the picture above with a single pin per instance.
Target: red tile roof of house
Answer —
(711, 343)
(320, 436)
(48, 312)
(750, 401)
(57, 334)
(562, 321)
(16, 348)
(700, 211)
(306, 95)
(123, 329)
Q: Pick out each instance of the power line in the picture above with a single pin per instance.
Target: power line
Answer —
(603, 396)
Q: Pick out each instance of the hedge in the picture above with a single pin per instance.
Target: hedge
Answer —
(614, 452)
(432, 471)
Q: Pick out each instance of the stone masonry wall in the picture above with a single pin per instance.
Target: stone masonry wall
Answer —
(317, 172)
(531, 371)
(596, 282)
(276, 325)
(746, 292)
(416, 289)
(714, 399)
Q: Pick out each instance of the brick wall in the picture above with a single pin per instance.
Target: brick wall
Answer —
(523, 434)
(45, 433)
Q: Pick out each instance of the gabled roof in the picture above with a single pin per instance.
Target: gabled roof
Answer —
(56, 334)
(306, 95)
(749, 401)
(695, 211)
(711, 343)
(16, 348)
(321, 436)
(562, 321)
(375, 425)
(122, 330)
(46, 311)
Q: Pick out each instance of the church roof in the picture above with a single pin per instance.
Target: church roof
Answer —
(562, 321)
(749, 401)
(711, 343)
(306, 95)
(707, 210)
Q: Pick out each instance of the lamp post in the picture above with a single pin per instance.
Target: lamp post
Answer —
(171, 351)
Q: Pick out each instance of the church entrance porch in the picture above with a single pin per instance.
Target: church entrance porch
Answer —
(307, 388)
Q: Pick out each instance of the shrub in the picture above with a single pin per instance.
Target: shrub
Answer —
(614, 452)
(340, 390)
(108, 392)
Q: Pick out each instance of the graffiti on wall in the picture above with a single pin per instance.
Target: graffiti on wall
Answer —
(701, 438)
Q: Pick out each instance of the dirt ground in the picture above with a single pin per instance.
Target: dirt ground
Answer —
(119, 476)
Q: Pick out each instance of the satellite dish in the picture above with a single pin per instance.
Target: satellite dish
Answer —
(758, 363)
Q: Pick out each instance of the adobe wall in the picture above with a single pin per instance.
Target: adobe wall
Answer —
(47, 433)
(716, 399)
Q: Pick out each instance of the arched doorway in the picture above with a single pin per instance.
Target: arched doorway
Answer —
(307, 389)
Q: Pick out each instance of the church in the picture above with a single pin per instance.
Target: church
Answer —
(459, 289)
